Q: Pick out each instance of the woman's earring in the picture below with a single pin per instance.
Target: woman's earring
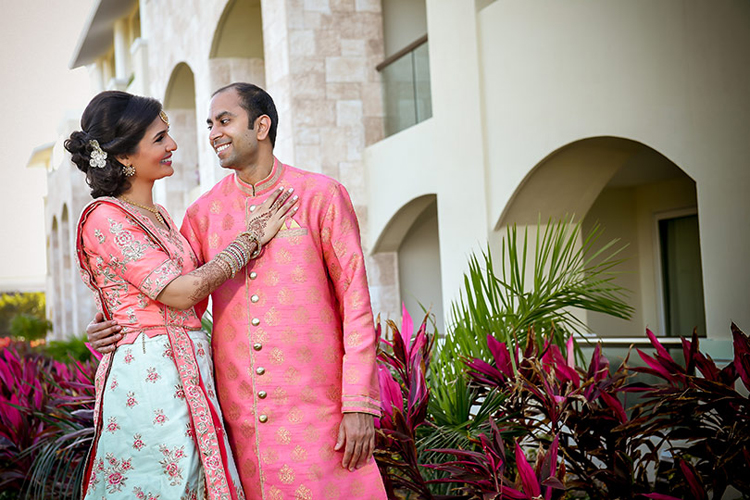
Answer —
(129, 170)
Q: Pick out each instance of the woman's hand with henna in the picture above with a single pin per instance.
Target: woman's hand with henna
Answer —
(268, 217)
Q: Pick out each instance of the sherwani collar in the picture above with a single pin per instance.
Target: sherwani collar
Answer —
(262, 187)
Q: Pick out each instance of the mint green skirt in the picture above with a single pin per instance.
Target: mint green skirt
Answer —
(146, 449)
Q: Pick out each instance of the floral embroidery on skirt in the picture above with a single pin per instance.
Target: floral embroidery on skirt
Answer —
(146, 449)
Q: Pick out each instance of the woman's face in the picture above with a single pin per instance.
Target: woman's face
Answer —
(153, 158)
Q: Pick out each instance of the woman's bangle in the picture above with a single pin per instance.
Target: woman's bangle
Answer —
(252, 237)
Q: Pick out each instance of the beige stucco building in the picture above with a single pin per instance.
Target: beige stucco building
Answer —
(449, 120)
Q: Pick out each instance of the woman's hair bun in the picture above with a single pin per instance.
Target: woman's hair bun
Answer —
(117, 121)
(78, 144)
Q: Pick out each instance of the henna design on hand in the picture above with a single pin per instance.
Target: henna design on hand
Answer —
(257, 225)
(207, 278)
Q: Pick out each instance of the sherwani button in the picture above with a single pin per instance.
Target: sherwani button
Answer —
(256, 322)
(262, 394)
(260, 370)
(257, 346)
(252, 208)
(254, 298)
(263, 419)
(253, 275)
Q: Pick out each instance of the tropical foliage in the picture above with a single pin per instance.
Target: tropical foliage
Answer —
(46, 423)
(503, 406)
(514, 411)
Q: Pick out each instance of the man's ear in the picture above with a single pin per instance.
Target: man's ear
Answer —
(263, 127)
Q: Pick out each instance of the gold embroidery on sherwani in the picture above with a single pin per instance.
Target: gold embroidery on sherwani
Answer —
(283, 436)
(291, 375)
(279, 395)
(277, 356)
(289, 336)
(282, 256)
(303, 493)
(299, 454)
(260, 335)
(273, 493)
(304, 354)
(272, 316)
(285, 296)
(271, 278)
(311, 433)
(315, 335)
(227, 222)
(232, 371)
(352, 340)
(286, 474)
(299, 276)
(313, 295)
(270, 456)
(307, 395)
(333, 393)
(301, 315)
(245, 390)
(294, 415)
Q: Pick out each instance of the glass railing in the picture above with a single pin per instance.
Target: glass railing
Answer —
(407, 96)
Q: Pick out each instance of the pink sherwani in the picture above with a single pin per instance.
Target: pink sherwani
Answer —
(294, 343)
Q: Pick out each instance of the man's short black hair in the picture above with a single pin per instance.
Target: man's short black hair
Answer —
(256, 102)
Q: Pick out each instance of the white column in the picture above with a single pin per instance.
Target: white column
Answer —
(122, 51)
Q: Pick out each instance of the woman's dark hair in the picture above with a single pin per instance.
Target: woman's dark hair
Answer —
(256, 102)
(118, 121)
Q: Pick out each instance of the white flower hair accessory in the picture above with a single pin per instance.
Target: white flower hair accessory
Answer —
(98, 155)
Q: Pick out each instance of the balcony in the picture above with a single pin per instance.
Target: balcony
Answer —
(406, 86)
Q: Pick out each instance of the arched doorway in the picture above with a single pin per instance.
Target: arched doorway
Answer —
(412, 236)
(54, 303)
(646, 201)
(237, 48)
(182, 188)
(66, 266)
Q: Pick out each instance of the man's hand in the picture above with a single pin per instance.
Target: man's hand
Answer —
(103, 335)
(357, 433)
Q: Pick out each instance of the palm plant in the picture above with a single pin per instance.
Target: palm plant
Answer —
(566, 270)
(569, 270)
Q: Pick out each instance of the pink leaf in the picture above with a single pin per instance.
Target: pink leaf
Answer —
(615, 405)
(96, 354)
(407, 328)
(695, 487)
(741, 355)
(656, 366)
(570, 353)
(502, 357)
(660, 350)
(390, 391)
(526, 472)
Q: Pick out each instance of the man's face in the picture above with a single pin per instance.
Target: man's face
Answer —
(234, 142)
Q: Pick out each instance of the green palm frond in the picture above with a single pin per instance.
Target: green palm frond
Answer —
(567, 270)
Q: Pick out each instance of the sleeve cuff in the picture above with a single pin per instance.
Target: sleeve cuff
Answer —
(360, 404)
(159, 278)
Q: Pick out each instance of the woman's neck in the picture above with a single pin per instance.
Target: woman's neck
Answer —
(141, 193)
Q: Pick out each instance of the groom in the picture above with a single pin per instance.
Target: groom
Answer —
(294, 343)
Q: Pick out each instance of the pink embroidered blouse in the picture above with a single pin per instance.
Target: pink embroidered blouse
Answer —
(127, 261)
